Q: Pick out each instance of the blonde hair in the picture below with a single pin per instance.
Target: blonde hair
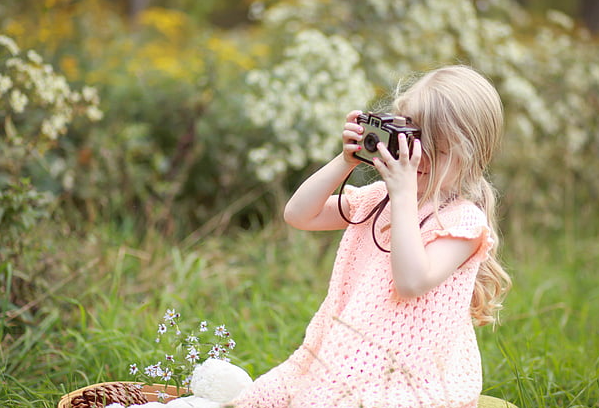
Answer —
(458, 107)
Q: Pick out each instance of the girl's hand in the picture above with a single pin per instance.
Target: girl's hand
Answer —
(401, 175)
(352, 133)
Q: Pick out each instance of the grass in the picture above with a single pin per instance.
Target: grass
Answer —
(102, 312)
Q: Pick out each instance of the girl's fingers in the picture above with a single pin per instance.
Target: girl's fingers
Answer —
(379, 166)
(385, 154)
(416, 152)
(352, 147)
(404, 149)
(353, 115)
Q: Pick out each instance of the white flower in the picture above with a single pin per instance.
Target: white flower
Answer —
(230, 344)
(192, 339)
(169, 357)
(90, 94)
(166, 375)
(161, 328)
(187, 381)
(154, 370)
(18, 100)
(214, 352)
(170, 315)
(34, 57)
(10, 44)
(161, 395)
(93, 113)
(5, 84)
(193, 355)
(74, 97)
(221, 331)
(49, 130)
(560, 18)
(203, 326)
(133, 370)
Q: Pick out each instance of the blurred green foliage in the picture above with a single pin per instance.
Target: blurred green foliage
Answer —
(197, 94)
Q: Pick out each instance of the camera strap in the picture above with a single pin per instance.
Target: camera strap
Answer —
(376, 212)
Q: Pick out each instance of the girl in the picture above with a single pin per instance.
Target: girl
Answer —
(396, 329)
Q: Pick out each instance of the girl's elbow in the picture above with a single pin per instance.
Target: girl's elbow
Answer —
(291, 217)
(288, 216)
(411, 290)
(407, 293)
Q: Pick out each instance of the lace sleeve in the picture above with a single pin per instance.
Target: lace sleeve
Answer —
(461, 221)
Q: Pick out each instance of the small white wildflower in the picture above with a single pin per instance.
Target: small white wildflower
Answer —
(203, 326)
(193, 355)
(214, 352)
(560, 18)
(49, 129)
(187, 381)
(153, 370)
(158, 371)
(169, 357)
(161, 328)
(93, 113)
(16, 63)
(221, 331)
(133, 370)
(90, 94)
(18, 100)
(192, 339)
(68, 180)
(170, 315)
(10, 44)
(34, 57)
(74, 97)
(161, 395)
(166, 375)
(230, 344)
(5, 84)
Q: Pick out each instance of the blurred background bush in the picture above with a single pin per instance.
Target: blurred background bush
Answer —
(192, 118)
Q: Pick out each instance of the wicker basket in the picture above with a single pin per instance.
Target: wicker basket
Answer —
(124, 392)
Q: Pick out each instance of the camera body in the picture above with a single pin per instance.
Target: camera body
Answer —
(385, 128)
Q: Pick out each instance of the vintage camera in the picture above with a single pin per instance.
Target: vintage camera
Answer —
(384, 128)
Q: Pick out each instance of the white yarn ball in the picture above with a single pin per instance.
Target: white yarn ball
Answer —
(219, 381)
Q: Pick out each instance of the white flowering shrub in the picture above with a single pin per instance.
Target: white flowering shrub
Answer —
(293, 100)
(247, 107)
(546, 73)
(37, 104)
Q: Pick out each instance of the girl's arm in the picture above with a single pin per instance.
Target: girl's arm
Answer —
(416, 269)
(312, 206)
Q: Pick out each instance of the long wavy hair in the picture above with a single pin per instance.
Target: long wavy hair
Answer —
(455, 106)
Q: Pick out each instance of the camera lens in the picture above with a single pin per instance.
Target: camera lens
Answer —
(370, 142)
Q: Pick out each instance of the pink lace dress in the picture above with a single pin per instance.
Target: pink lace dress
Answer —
(368, 347)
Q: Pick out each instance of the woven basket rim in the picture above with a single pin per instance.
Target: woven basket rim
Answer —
(150, 391)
